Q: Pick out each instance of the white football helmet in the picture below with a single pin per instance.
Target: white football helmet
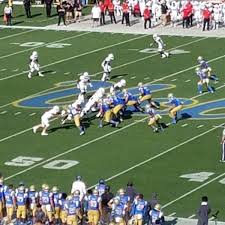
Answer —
(200, 58)
(197, 69)
(170, 96)
(56, 109)
(101, 91)
(111, 56)
(123, 82)
(34, 53)
(155, 36)
(140, 84)
(86, 75)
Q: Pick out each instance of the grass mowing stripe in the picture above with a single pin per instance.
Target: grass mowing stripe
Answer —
(17, 34)
(80, 55)
(195, 189)
(43, 45)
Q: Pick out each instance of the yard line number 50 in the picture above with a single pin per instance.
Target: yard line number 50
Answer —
(25, 161)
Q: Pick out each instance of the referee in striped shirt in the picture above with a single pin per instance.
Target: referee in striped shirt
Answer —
(223, 146)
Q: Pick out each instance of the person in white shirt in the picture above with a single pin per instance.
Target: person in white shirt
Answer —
(45, 120)
(79, 185)
(217, 16)
(8, 15)
(174, 9)
(96, 13)
(34, 65)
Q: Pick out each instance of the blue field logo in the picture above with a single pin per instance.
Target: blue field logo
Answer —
(67, 93)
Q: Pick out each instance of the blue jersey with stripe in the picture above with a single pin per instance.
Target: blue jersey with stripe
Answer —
(129, 97)
(93, 202)
(56, 199)
(201, 75)
(117, 101)
(144, 91)
(175, 101)
(155, 216)
(101, 189)
(203, 64)
(71, 207)
(32, 196)
(139, 207)
(45, 197)
(124, 199)
(118, 211)
(21, 198)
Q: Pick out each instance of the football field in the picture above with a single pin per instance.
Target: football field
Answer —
(181, 164)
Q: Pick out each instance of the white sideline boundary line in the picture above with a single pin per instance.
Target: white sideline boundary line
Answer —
(17, 34)
(43, 45)
(80, 55)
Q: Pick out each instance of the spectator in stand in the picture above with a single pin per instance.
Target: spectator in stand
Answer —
(206, 18)
(106, 3)
(48, 7)
(147, 17)
(190, 10)
(136, 10)
(61, 14)
(164, 11)
(96, 13)
(185, 17)
(27, 5)
(130, 191)
(8, 15)
(111, 9)
(118, 9)
(102, 18)
(126, 12)
(78, 11)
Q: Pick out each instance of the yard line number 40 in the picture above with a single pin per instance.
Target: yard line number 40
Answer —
(25, 161)
(200, 177)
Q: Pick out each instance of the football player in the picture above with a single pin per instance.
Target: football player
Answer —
(94, 207)
(176, 107)
(62, 204)
(56, 196)
(106, 113)
(156, 215)
(34, 66)
(158, 40)
(146, 95)
(45, 120)
(106, 65)
(32, 201)
(118, 107)
(174, 10)
(118, 86)
(21, 202)
(93, 101)
(139, 210)
(73, 112)
(83, 83)
(3, 188)
(101, 187)
(117, 213)
(153, 119)
(203, 79)
(204, 66)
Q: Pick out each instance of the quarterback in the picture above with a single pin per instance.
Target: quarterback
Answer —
(33, 65)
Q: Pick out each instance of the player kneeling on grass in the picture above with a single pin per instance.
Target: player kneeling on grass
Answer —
(118, 86)
(156, 215)
(204, 66)
(203, 79)
(45, 120)
(158, 40)
(153, 119)
(73, 112)
(131, 100)
(139, 210)
(176, 107)
(106, 113)
(145, 95)
(34, 66)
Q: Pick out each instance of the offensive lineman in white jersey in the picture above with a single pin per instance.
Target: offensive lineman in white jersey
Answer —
(158, 40)
(45, 120)
(118, 86)
(82, 84)
(174, 9)
(94, 100)
(106, 65)
(34, 66)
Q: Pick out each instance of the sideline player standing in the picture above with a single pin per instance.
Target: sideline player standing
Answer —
(34, 66)
(158, 40)
(223, 146)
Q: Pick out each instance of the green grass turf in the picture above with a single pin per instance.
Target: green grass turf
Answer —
(38, 14)
(122, 148)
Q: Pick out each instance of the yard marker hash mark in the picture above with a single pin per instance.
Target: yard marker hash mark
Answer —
(32, 114)
(133, 77)
(174, 80)
(184, 125)
(200, 126)
(186, 81)
(3, 112)
(17, 113)
(172, 214)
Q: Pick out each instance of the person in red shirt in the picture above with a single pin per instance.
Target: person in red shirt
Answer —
(136, 10)
(206, 17)
(147, 17)
(111, 9)
(185, 16)
(190, 9)
(106, 3)
(125, 9)
(102, 8)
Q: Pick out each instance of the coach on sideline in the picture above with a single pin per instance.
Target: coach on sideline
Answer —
(223, 146)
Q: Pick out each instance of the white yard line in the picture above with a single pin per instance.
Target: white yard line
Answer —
(80, 55)
(172, 214)
(186, 81)
(3, 112)
(32, 114)
(184, 125)
(43, 45)
(192, 216)
(200, 126)
(17, 113)
(17, 34)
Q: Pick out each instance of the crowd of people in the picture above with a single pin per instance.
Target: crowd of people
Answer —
(81, 206)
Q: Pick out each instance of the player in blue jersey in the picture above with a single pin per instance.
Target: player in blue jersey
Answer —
(139, 210)
(117, 216)
(101, 187)
(32, 201)
(203, 64)
(118, 107)
(21, 202)
(156, 215)
(146, 95)
(131, 100)
(106, 112)
(176, 107)
(203, 79)
(62, 205)
(3, 188)
(154, 119)
(56, 196)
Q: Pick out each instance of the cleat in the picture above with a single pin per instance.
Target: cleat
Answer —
(41, 75)
(63, 122)
(121, 120)
(116, 124)
(44, 134)
(29, 76)
(82, 133)
(34, 130)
